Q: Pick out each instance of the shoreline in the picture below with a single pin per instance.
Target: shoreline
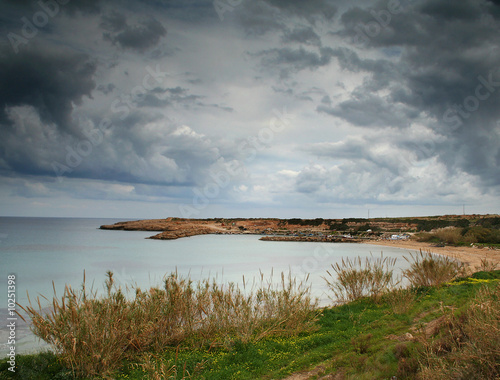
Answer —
(470, 256)
(316, 230)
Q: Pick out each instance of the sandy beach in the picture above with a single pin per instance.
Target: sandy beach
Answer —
(471, 256)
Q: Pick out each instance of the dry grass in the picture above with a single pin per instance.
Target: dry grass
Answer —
(487, 266)
(156, 368)
(468, 345)
(356, 278)
(427, 269)
(93, 335)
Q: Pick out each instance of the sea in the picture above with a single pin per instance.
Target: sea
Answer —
(43, 255)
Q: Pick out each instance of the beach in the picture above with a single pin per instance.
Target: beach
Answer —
(471, 256)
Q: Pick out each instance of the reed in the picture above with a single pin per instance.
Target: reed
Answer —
(427, 269)
(356, 278)
(93, 335)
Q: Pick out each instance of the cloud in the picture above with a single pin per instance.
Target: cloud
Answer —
(389, 106)
(445, 53)
(306, 9)
(51, 80)
(302, 35)
(71, 7)
(288, 60)
(370, 110)
(141, 36)
(261, 17)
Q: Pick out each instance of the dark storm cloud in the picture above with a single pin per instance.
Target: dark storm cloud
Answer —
(71, 7)
(446, 72)
(367, 110)
(106, 89)
(301, 35)
(396, 93)
(287, 60)
(441, 10)
(141, 36)
(177, 97)
(50, 80)
(260, 17)
(306, 9)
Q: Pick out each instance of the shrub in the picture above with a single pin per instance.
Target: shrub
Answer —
(482, 235)
(356, 278)
(428, 269)
(457, 236)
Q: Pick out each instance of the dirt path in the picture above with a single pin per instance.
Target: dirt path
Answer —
(471, 256)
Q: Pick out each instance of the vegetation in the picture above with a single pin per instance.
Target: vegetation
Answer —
(466, 345)
(462, 236)
(93, 335)
(356, 278)
(450, 331)
(305, 222)
(427, 269)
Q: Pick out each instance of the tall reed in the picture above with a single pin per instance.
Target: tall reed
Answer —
(427, 269)
(356, 278)
(93, 335)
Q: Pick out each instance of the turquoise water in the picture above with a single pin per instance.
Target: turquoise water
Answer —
(41, 252)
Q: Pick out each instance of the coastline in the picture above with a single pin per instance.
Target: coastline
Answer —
(308, 231)
(471, 256)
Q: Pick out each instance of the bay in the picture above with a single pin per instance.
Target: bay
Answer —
(48, 253)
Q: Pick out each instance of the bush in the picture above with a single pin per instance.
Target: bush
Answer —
(461, 236)
(94, 335)
(427, 269)
(356, 278)
(482, 235)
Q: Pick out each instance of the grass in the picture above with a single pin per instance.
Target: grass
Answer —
(406, 333)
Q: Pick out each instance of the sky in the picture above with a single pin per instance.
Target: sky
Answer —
(249, 108)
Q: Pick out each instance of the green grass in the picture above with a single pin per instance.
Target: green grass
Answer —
(363, 339)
